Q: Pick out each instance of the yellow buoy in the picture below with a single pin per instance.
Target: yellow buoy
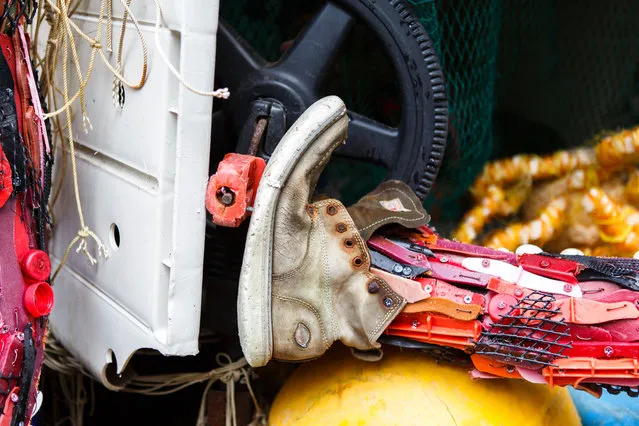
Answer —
(410, 388)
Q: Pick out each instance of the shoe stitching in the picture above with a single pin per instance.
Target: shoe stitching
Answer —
(326, 281)
(310, 308)
(399, 301)
(422, 215)
(328, 153)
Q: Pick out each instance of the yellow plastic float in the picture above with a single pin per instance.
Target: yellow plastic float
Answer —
(409, 388)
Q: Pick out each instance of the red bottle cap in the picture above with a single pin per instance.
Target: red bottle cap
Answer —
(38, 299)
(36, 265)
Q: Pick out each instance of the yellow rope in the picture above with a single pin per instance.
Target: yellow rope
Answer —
(219, 93)
(84, 233)
(63, 31)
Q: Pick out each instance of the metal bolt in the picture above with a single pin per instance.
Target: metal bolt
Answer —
(398, 268)
(14, 398)
(608, 351)
(443, 259)
(415, 323)
(225, 196)
(388, 302)
(467, 299)
(544, 264)
(510, 368)
(567, 288)
(485, 263)
(519, 292)
(501, 305)
(407, 270)
(373, 287)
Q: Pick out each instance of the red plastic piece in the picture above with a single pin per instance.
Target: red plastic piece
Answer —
(238, 175)
(574, 371)
(559, 269)
(439, 288)
(500, 305)
(502, 287)
(38, 299)
(6, 184)
(623, 330)
(457, 274)
(410, 290)
(36, 265)
(589, 333)
(494, 367)
(397, 252)
(597, 289)
(586, 311)
(20, 233)
(7, 412)
(440, 330)
(603, 350)
(619, 296)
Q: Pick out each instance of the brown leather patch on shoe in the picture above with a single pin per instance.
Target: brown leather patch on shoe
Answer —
(391, 202)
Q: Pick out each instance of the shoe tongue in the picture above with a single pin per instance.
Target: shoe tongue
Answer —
(392, 202)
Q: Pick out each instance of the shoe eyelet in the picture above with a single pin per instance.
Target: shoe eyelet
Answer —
(331, 210)
(373, 286)
(349, 243)
(357, 262)
(310, 210)
(388, 302)
(340, 227)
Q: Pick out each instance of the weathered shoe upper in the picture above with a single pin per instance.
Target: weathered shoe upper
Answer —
(306, 279)
(323, 289)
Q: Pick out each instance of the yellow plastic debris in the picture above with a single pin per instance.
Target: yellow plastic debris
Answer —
(410, 388)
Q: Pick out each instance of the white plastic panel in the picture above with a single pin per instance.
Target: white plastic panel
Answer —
(142, 169)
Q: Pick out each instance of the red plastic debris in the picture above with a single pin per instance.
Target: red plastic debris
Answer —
(500, 305)
(36, 265)
(6, 185)
(38, 299)
(560, 269)
(231, 190)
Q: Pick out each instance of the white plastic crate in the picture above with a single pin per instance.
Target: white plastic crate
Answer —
(143, 173)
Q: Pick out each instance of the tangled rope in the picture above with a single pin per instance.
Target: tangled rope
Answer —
(228, 373)
(585, 198)
(62, 37)
(73, 375)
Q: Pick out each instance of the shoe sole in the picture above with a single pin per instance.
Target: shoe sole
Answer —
(254, 293)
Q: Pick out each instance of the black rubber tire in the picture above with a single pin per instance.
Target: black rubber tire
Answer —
(415, 155)
(424, 122)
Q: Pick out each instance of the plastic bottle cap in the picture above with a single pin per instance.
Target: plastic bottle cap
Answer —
(36, 265)
(38, 299)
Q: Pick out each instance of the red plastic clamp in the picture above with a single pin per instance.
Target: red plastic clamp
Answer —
(231, 190)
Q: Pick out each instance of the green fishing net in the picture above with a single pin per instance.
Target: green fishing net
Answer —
(522, 76)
